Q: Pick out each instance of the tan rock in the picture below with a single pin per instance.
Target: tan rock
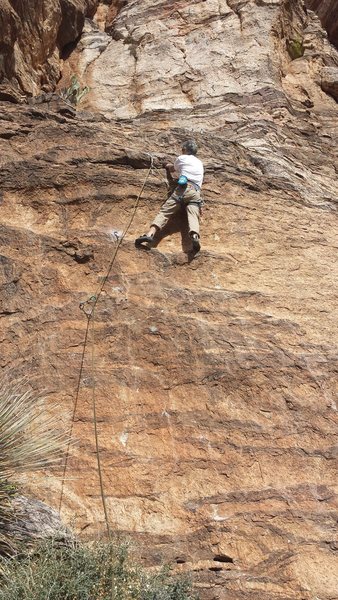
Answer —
(160, 59)
(330, 81)
(214, 378)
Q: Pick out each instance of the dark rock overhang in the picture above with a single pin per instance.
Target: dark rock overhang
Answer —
(327, 10)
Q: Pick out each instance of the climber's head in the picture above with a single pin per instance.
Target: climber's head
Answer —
(189, 147)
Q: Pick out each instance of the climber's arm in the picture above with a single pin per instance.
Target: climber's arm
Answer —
(169, 167)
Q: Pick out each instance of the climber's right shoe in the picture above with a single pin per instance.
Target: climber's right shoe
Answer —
(143, 239)
(196, 242)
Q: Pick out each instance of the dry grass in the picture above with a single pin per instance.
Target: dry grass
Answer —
(30, 439)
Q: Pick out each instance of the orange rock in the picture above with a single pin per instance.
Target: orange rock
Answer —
(214, 377)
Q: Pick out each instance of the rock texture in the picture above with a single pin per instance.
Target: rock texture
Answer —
(328, 13)
(215, 378)
(34, 520)
(330, 81)
(201, 59)
(32, 36)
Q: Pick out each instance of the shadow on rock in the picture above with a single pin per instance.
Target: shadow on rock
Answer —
(178, 223)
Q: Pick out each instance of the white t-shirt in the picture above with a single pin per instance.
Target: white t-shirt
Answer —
(190, 166)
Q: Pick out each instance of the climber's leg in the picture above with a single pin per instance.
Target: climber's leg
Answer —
(169, 208)
(193, 213)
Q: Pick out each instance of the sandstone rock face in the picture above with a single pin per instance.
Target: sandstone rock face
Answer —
(330, 81)
(32, 35)
(181, 56)
(328, 13)
(215, 377)
(189, 58)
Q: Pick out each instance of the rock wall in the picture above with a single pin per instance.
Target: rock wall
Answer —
(215, 377)
(32, 36)
(181, 56)
(201, 60)
(328, 13)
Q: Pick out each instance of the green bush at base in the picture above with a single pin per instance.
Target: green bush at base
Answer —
(102, 571)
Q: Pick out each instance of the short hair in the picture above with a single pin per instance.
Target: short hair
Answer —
(190, 146)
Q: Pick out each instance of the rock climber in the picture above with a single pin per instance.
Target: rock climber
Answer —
(188, 171)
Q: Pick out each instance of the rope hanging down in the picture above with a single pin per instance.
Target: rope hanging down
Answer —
(88, 307)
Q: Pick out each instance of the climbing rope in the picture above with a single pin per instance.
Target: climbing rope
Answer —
(88, 307)
(93, 300)
(99, 468)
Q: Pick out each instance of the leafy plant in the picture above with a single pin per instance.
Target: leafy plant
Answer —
(102, 571)
(295, 48)
(30, 439)
(74, 93)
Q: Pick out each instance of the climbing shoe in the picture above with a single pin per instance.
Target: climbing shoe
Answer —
(196, 242)
(143, 239)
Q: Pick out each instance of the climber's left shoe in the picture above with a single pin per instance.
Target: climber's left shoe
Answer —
(143, 239)
(195, 242)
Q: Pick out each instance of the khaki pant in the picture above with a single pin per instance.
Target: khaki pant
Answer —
(174, 204)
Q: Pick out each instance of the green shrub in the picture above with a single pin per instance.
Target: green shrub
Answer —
(295, 48)
(74, 93)
(102, 571)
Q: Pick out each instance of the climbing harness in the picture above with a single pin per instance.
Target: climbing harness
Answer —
(182, 184)
(88, 308)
